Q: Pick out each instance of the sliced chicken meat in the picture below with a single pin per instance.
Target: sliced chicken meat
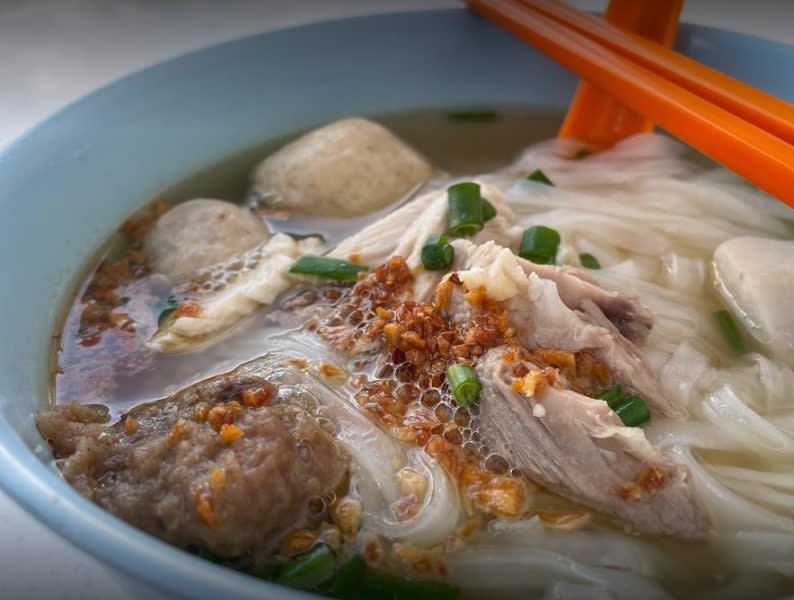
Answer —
(564, 312)
(574, 286)
(404, 232)
(578, 447)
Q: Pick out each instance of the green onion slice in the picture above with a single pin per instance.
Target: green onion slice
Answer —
(464, 384)
(488, 211)
(589, 261)
(348, 578)
(355, 580)
(476, 114)
(633, 411)
(375, 586)
(208, 555)
(268, 572)
(539, 245)
(307, 570)
(437, 253)
(465, 209)
(612, 396)
(730, 331)
(539, 176)
(329, 268)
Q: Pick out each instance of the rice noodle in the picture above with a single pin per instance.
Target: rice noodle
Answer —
(724, 409)
(438, 515)
(729, 511)
(680, 375)
(501, 570)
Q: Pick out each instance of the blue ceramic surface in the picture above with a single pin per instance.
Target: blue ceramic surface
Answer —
(69, 181)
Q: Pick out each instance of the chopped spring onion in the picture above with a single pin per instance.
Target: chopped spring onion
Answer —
(437, 253)
(329, 268)
(464, 384)
(633, 411)
(375, 586)
(476, 114)
(267, 572)
(539, 176)
(354, 580)
(348, 578)
(307, 570)
(612, 396)
(488, 211)
(589, 261)
(730, 331)
(210, 556)
(465, 209)
(539, 245)
(581, 154)
(165, 308)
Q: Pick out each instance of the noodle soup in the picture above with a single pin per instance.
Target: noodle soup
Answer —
(439, 357)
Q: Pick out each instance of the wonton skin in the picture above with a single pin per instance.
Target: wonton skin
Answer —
(201, 233)
(348, 168)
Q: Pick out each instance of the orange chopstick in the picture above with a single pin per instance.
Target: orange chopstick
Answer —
(755, 106)
(752, 152)
(596, 117)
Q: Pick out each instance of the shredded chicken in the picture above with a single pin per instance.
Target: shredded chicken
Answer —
(578, 447)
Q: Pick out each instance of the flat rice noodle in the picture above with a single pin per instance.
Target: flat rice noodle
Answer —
(375, 453)
(627, 162)
(682, 372)
(724, 409)
(729, 511)
(777, 382)
(485, 571)
(636, 267)
(437, 517)
(764, 495)
(759, 550)
(783, 421)
(606, 229)
(699, 231)
(667, 434)
(606, 254)
(599, 548)
(683, 272)
(781, 480)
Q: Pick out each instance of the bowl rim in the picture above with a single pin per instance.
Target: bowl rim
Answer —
(42, 492)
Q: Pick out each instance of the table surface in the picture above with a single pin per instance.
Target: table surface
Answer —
(55, 51)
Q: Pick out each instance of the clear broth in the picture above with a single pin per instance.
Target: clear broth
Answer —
(457, 142)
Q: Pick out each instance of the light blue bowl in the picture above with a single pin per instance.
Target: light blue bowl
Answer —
(67, 183)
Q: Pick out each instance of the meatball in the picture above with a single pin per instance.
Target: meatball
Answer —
(347, 168)
(200, 233)
(219, 466)
(755, 277)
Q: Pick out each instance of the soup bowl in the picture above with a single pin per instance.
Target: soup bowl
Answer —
(67, 183)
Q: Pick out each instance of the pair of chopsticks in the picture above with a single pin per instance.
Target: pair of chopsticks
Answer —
(741, 127)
